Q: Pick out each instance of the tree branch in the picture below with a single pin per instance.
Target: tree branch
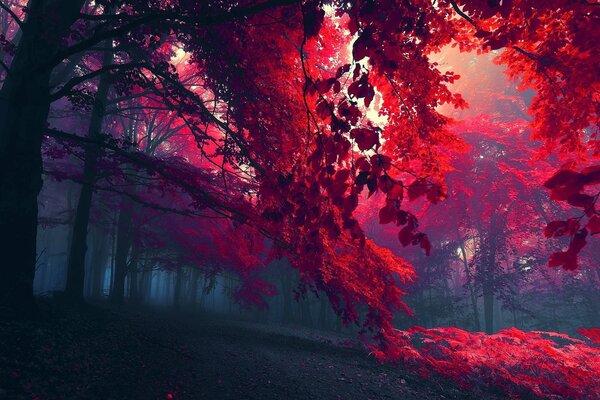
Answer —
(12, 14)
(239, 141)
(462, 14)
(525, 53)
(232, 15)
(65, 90)
(203, 198)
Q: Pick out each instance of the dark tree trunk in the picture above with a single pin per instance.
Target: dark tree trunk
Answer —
(286, 291)
(194, 287)
(134, 293)
(469, 276)
(98, 263)
(338, 324)
(76, 267)
(117, 293)
(178, 288)
(145, 283)
(305, 313)
(323, 310)
(24, 107)
(489, 284)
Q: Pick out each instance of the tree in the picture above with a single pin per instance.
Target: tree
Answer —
(293, 129)
(49, 35)
(24, 105)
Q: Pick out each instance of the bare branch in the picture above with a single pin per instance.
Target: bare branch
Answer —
(462, 14)
(66, 89)
(12, 14)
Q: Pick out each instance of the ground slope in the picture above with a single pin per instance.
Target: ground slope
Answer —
(103, 354)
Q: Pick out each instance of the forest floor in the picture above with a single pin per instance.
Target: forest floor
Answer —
(108, 354)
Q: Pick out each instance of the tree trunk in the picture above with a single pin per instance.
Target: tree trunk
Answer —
(145, 289)
(286, 292)
(98, 262)
(468, 274)
(178, 288)
(117, 293)
(488, 285)
(24, 107)
(323, 309)
(194, 287)
(305, 313)
(134, 293)
(76, 268)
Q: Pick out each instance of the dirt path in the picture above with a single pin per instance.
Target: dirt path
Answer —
(106, 355)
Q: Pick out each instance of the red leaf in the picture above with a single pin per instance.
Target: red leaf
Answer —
(402, 217)
(405, 235)
(364, 44)
(591, 174)
(362, 89)
(396, 193)
(497, 43)
(385, 183)
(323, 110)
(435, 194)
(362, 164)
(348, 111)
(558, 259)
(555, 229)
(593, 225)
(313, 19)
(342, 175)
(568, 259)
(592, 333)
(386, 215)
(560, 178)
(417, 189)
(323, 86)
(350, 203)
(342, 70)
(564, 184)
(578, 242)
(362, 178)
(562, 228)
(581, 200)
(365, 138)
(381, 161)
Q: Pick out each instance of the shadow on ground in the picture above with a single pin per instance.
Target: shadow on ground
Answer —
(105, 354)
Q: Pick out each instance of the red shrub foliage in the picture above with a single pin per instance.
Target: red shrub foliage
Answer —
(548, 365)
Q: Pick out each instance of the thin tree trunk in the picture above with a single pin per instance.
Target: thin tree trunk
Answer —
(472, 296)
(122, 251)
(488, 283)
(24, 107)
(323, 307)
(76, 267)
(305, 311)
(134, 293)
(194, 287)
(286, 291)
(178, 288)
(145, 283)
(98, 262)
